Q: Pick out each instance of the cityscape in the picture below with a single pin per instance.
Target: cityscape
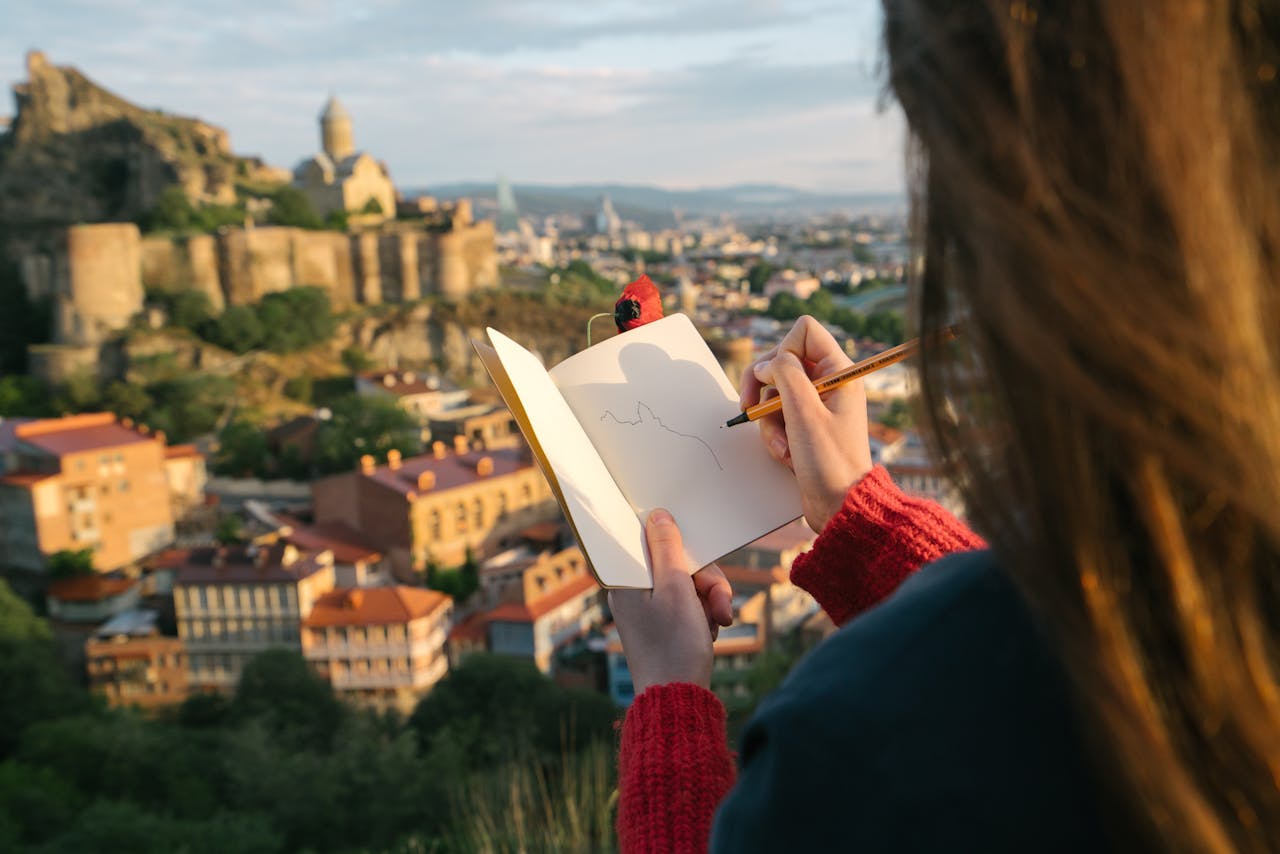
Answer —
(260, 506)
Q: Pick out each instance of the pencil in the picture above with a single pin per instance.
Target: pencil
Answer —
(839, 378)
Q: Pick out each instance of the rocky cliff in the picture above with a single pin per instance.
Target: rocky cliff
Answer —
(76, 152)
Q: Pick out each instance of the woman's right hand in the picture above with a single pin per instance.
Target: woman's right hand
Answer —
(822, 439)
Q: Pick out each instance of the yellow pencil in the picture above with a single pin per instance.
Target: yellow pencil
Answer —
(839, 378)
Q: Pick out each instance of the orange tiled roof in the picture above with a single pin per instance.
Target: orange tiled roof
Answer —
(174, 452)
(246, 565)
(452, 471)
(527, 612)
(77, 433)
(473, 629)
(883, 433)
(373, 606)
(347, 545)
(89, 588)
(542, 531)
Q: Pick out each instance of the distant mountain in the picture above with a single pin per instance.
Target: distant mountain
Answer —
(646, 203)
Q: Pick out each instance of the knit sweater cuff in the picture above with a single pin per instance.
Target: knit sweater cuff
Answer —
(674, 767)
(875, 541)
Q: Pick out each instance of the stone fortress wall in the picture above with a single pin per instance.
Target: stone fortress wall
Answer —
(97, 275)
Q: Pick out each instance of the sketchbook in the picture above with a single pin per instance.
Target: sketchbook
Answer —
(634, 423)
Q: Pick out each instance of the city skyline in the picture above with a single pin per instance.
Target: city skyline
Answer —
(679, 95)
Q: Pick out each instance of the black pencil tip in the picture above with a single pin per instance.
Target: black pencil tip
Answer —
(737, 419)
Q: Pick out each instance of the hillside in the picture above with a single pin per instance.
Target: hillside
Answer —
(78, 153)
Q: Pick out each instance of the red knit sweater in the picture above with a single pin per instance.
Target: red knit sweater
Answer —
(674, 764)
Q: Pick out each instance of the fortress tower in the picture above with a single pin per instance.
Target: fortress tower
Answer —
(335, 131)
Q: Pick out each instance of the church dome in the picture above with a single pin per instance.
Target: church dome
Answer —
(334, 110)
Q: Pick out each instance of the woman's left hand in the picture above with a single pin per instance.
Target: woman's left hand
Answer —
(667, 632)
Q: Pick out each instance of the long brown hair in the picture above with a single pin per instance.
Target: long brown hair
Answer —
(1095, 196)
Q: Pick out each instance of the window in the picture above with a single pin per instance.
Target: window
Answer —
(477, 512)
(124, 485)
(282, 593)
(460, 518)
(502, 505)
(433, 524)
(526, 492)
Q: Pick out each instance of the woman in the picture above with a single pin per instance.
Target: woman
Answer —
(1095, 202)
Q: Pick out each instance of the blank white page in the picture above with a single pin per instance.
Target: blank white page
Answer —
(607, 527)
(654, 401)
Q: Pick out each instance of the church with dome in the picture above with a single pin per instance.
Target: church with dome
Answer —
(342, 179)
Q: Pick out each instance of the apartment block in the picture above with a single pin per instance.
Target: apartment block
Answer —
(232, 603)
(437, 506)
(129, 663)
(83, 482)
(380, 647)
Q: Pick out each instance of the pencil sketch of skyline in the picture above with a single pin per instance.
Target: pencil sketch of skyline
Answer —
(640, 419)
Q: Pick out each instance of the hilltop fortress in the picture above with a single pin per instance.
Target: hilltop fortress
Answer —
(96, 275)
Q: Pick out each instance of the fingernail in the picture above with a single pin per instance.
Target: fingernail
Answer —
(661, 517)
(778, 447)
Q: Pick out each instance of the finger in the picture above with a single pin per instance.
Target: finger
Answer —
(666, 549)
(810, 341)
(716, 593)
(786, 373)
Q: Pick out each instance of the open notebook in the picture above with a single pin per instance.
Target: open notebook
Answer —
(634, 423)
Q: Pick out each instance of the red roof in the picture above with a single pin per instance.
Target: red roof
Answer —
(543, 532)
(78, 433)
(473, 629)
(347, 545)
(883, 433)
(89, 588)
(373, 606)
(527, 612)
(245, 565)
(168, 559)
(451, 471)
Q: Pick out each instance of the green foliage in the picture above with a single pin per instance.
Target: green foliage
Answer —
(237, 329)
(290, 206)
(493, 707)
(17, 621)
(337, 220)
(80, 393)
(242, 450)
(363, 425)
(190, 406)
(173, 211)
(372, 206)
(299, 388)
(128, 400)
(759, 275)
(296, 319)
(229, 530)
(70, 564)
(578, 284)
(899, 415)
(188, 309)
(23, 396)
(279, 689)
(356, 359)
(23, 321)
(887, 327)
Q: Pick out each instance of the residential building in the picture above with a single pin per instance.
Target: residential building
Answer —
(916, 473)
(487, 424)
(232, 603)
(421, 395)
(380, 647)
(356, 563)
(129, 663)
(791, 282)
(555, 600)
(84, 482)
(185, 472)
(437, 506)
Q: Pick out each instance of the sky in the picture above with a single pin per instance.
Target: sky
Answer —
(677, 93)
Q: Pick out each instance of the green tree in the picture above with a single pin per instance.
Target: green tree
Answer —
(237, 329)
(70, 564)
(18, 623)
(279, 689)
(190, 309)
(363, 425)
(22, 395)
(172, 211)
(229, 530)
(190, 406)
(23, 321)
(290, 206)
(785, 306)
(887, 327)
(899, 415)
(372, 206)
(242, 451)
(80, 393)
(127, 400)
(356, 359)
(759, 274)
(337, 220)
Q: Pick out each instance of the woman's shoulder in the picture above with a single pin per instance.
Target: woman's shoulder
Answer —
(938, 719)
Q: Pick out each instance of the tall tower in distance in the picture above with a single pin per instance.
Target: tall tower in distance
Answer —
(335, 131)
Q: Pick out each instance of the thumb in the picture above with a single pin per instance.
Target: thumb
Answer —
(666, 548)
